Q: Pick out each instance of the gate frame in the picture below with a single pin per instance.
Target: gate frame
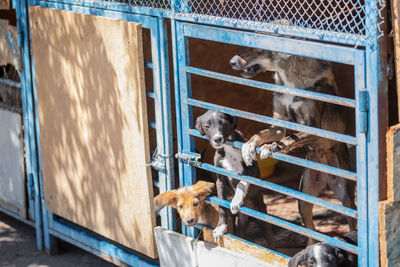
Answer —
(55, 227)
(369, 85)
(34, 213)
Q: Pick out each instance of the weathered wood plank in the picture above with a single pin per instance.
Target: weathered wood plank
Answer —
(393, 163)
(389, 210)
(246, 249)
(9, 50)
(5, 4)
(395, 5)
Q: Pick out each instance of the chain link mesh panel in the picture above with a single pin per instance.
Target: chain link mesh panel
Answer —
(341, 16)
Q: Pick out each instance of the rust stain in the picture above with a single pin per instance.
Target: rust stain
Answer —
(9, 50)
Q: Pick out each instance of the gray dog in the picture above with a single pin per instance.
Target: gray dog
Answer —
(325, 255)
(308, 74)
(220, 127)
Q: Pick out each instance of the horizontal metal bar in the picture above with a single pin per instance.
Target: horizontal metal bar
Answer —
(150, 94)
(17, 216)
(271, 27)
(10, 83)
(152, 124)
(95, 245)
(273, 87)
(293, 160)
(280, 189)
(109, 5)
(85, 7)
(281, 123)
(281, 44)
(148, 64)
(288, 225)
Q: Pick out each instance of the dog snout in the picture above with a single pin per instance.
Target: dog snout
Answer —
(190, 221)
(217, 139)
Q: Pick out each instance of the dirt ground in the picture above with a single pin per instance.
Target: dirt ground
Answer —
(18, 249)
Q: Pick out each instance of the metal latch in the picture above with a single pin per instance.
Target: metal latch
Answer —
(190, 158)
(158, 161)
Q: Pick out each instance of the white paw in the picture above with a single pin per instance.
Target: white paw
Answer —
(249, 153)
(236, 204)
(265, 151)
(219, 232)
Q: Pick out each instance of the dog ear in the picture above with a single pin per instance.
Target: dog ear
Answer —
(232, 119)
(298, 259)
(203, 188)
(168, 198)
(340, 255)
(199, 126)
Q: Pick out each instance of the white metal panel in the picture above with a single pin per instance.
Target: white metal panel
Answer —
(12, 178)
(175, 249)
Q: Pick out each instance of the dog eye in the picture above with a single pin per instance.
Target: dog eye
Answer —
(206, 126)
(180, 207)
(195, 204)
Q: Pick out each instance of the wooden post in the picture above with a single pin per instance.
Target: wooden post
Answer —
(395, 4)
(389, 210)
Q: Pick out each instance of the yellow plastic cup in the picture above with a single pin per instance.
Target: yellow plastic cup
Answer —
(266, 166)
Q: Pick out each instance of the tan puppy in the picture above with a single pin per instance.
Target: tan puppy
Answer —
(190, 203)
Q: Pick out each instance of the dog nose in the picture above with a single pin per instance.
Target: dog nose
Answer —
(190, 221)
(218, 139)
(233, 62)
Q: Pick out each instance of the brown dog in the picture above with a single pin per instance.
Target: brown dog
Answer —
(190, 203)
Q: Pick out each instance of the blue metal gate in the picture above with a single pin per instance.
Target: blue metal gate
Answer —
(23, 83)
(350, 36)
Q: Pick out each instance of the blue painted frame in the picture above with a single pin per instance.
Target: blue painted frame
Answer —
(366, 79)
(52, 226)
(34, 216)
(364, 56)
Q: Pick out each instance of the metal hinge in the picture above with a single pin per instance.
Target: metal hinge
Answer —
(189, 157)
(363, 109)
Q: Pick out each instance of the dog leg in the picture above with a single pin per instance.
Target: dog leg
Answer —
(271, 134)
(310, 184)
(240, 194)
(265, 227)
(222, 226)
(344, 189)
(287, 144)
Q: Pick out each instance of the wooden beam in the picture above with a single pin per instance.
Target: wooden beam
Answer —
(389, 210)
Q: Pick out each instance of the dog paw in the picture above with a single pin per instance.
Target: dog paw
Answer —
(219, 232)
(249, 153)
(267, 150)
(236, 204)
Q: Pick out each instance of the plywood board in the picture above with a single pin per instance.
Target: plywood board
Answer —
(179, 250)
(93, 124)
(12, 172)
(9, 50)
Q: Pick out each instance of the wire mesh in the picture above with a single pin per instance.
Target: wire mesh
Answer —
(341, 16)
